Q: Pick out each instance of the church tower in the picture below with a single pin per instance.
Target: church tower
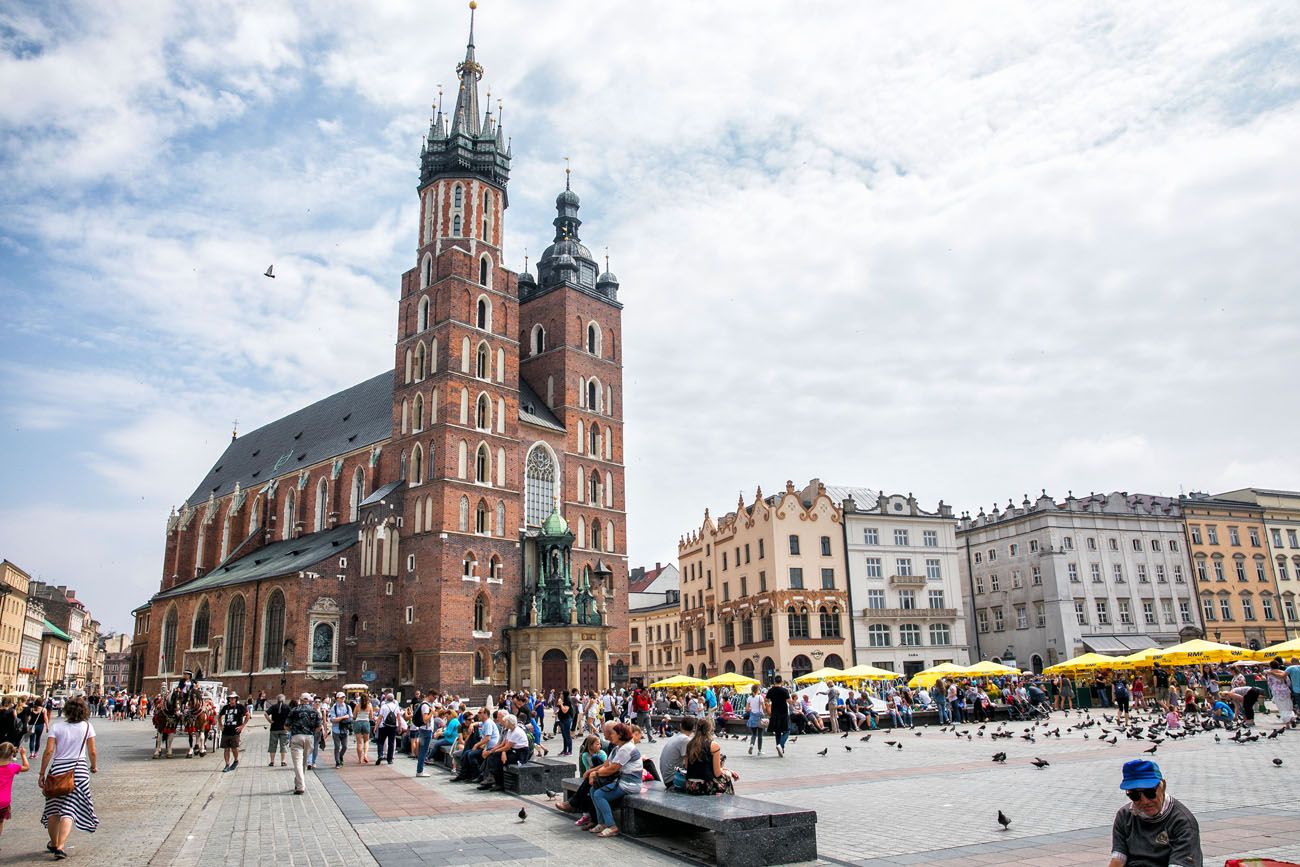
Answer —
(455, 406)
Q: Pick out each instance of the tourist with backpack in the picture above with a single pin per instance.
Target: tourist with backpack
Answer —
(390, 724)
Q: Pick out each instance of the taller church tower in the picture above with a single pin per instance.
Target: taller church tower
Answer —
(456, 407)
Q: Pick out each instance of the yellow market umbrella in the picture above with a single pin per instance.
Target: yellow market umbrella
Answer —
(931, 675)
(1286, 650)
(868, 672)
(1085, 662)
(1142, 659)
(1198, 651)
(819, 674)
(731, 679)
(989, 669)
(678, 680)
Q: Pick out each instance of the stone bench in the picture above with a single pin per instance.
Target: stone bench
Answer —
(538, 775)
(733, 831)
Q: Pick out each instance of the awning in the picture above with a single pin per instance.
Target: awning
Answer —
(1122, 644)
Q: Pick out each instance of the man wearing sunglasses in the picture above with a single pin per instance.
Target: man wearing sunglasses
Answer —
(1153, 830)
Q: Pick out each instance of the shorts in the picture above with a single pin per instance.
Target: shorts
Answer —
(230, 742)
(1121, 703)
(361, 727)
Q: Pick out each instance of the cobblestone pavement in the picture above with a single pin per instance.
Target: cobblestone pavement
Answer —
(932, 802)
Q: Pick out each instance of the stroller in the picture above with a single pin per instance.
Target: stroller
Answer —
(1019, 710)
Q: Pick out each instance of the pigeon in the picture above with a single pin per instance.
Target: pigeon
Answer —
(891, 743)
(1217, 740)
(523, 814)
(843, 736)
(848, 749)
(270, 272)
(1151, 751)
(550, 796)
(1003, 820)
(1277, 762)
(864, 740)
(918, 734)
(900, 746)
(1039, 763)
(823, 752)
(1000, 758)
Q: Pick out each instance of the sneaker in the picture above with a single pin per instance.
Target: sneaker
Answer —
(234, 764)
(226, 769)
(751, 749)
(780, 751)
(271, 764)
(584, 822)
(422, 774)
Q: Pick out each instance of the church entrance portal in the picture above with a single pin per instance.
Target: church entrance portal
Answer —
(555, 671)
(588, 671)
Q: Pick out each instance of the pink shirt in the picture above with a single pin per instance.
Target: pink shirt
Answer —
(7, 774)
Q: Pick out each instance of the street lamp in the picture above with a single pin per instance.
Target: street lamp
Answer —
(1217, 635)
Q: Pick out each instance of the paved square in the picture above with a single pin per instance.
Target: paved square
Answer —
(934, 801)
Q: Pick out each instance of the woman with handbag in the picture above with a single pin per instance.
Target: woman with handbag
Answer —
(66, 765)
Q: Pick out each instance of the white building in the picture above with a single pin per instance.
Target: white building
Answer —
(904, 581)
(1045, 581)
(29, 657)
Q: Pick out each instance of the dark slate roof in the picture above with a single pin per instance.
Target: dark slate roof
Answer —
(278, 558)
(382, 492)
(533, 409)
(351, 419)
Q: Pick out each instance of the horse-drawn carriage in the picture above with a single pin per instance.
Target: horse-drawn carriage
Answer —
(191, 709)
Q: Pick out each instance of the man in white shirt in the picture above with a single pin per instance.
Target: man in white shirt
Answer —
(512, 748)
(607, 705)
(471, 758)
(390, 723)
(421, 711)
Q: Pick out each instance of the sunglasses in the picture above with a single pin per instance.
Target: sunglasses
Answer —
(1139, 794)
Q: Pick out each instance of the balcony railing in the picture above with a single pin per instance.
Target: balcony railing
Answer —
(907, 580)
(909, 613)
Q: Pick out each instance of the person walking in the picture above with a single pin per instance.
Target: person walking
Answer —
(340, 726)
(361, 723)
(234, 716)
(37, 719)
(304, 724)
(11, 725)
(776, 704)
(69, 749)
(276, 714)
(1279, 684)
(390, 723)
(13, 761)
(564, 715)
(754, 719)
(641, 707)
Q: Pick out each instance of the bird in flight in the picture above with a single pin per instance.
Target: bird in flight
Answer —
(270, 272)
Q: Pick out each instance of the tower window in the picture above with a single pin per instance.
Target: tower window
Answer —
(458, 196)
(483, 267)
(455, 226)
(483, 314)
(593, 339)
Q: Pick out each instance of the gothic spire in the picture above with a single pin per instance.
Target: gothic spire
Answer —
(466, 117)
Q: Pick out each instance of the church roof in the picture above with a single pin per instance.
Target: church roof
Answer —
(278, 558)
(343, 422)
(533, 409)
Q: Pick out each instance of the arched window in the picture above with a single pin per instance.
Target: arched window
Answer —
(483, 465)
(582, 532)
(322, 644)
(225, 537)
(483, 268)
(747, 667)
(419, 361)
(422, 318)
(594, 436)
(428, 501)
(410, 363)
(494, 568)
(940, 634)
(457, 196)
(730, 667)
(483, 362)
(481, 613)
(254, 514)
(464, 515)
(455, 226)
(467, 564)
(690, 669)
(609, 537)
(799, 666)
(273, 631)
(834, 661)
(483, 317)
(539, 485)
(168, 662)
(199, 635)
(593, 338)
(462, 458)
(286, 531)
(909, 635)
(483, 413)
(593, 481)
(481, 519)
(596, 535)
(537, 344)
(235, 635)
(358, 493)
(322, 504)
(829, 623)
(426, 276)
(480, 665)
(609, 488)
(501, 518)
(464, 406)
(417, 465)
(593, 395)
(798, 622)
(878, 635)
(417, 413)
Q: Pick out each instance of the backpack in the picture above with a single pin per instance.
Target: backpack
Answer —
(390, 721)
(417, 715)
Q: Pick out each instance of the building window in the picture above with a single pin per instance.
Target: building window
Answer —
(1212, 533)
(930, 538)
(794, 544)
(907, 599)
(1022, 620)
(1225, 607)
(994, 585)
(998, 624)
(829, 623)
(874, 568)
(1247, 608)
(273, 632)
(1160, 574)
(1240, 565)
(1036, 576)
(1196, 535)
(747, 631)
(410, 609)
(876, 599)
(199, 635)
(1033, 546)
(828, 579)
(1185, 611)
(1218, 570)
(1119, 573)
(481, 623)
(765, 627)
(1142, 574)
(1148, 613)
(1072, 569)
(933, 569)
(1013, 550)
(870, 536)
(796, 578)
(826, 546)
(903, 566)
(760, 549)
(1081, 612)
(798, 621)
(1234, 537)
(1040, 615)
(322, 644)
(909, 635)
(1103, 612)
(1260, 573)
(979, 583)
(483, 270)
(1207, 608)
(1092, 543)
(1096, 572)
(1137, 544)
(878, 635)
(940, 634)
(1178, 573)
(900, 536)
(1068, 543)
(1125, 612)
(936, 599)
(170, 622)
(235, 635)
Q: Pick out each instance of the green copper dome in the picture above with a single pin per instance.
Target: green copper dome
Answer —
(555, 525)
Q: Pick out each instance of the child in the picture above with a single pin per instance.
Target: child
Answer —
(9, 768)
(1173, 722)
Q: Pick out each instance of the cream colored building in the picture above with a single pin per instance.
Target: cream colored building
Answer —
(764, 588)
(654, 628)
(13, 611)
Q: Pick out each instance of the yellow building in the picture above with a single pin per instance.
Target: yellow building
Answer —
(13, 611)
(764, 588)
(653, 624)
(52, 671)
(1282, 536)
(1235, 582)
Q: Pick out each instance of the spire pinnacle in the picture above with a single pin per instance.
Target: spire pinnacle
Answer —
(567, 171)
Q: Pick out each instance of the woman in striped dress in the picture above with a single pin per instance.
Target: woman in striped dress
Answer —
(70, 745)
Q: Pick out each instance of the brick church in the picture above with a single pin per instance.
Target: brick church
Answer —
(456, 523)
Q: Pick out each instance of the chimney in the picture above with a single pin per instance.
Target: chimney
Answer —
(658, 565)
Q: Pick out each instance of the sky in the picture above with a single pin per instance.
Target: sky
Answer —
(968, 251)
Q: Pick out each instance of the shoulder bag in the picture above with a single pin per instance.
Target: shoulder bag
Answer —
(64, 783)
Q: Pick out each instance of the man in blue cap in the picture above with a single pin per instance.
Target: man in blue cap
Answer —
(1153, 830)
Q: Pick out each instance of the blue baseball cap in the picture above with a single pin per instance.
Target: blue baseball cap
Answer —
(1141, 774)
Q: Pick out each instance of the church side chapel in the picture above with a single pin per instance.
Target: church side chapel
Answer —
(456, 523)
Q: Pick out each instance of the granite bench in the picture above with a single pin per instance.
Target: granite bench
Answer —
(539, 775)
(735, 831)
